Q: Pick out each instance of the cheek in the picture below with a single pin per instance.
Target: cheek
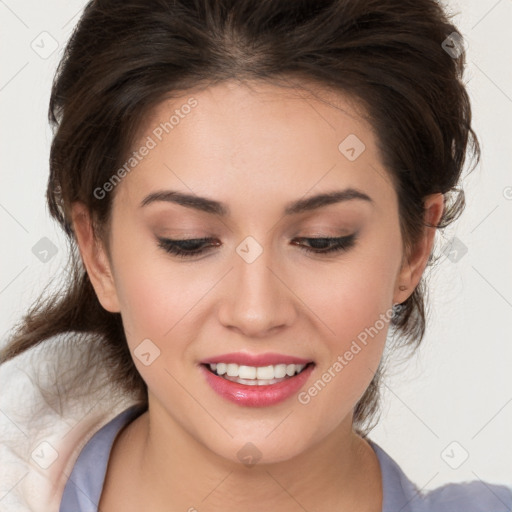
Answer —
(154, 311)
(161, 301)
(351, 295)
(151, 293)
(146, 302)
(360, 323)
(353, 301)
(357, 318)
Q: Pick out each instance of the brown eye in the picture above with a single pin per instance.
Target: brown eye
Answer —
(185, 248)
(329, 245)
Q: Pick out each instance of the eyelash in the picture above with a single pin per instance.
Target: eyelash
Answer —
(176, 247)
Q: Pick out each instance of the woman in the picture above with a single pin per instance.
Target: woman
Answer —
(251, 192)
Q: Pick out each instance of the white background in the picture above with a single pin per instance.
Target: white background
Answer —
(458, 387)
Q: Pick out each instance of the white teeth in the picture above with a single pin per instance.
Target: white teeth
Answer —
(232, 370)
(280, 371)
(247, 372)
(265, 372)
(253, 373)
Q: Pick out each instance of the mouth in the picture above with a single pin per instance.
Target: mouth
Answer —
(256, 375)
(256, 381)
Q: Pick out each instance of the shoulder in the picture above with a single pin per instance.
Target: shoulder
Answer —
(48, 411)
(400, 493)
(473, 496)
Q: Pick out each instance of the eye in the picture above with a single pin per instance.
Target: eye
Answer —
(196, 246)
(329, 245)
(184, 248)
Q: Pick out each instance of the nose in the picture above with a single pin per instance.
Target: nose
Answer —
(256, 298)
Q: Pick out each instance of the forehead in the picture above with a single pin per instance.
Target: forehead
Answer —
(258, 139)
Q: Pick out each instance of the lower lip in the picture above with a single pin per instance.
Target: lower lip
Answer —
(257, 396)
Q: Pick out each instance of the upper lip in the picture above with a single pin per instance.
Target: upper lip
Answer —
(246, 359)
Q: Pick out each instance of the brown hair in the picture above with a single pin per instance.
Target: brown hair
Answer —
(126, 57)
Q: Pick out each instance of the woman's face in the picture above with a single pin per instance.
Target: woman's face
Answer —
(250, 157)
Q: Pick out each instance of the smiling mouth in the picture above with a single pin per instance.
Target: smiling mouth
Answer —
(256, 375)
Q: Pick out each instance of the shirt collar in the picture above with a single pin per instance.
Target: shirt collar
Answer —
(399, 493)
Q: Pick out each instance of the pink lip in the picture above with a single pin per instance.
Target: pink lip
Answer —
(267, 359)
(256, 396)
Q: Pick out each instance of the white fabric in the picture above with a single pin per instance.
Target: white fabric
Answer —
(42, 433)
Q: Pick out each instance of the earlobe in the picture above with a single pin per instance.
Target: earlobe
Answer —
(94, 258)
(414, 266)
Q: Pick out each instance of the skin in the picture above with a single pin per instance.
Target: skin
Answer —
(254, 148)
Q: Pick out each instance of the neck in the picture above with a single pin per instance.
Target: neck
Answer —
(172, 470)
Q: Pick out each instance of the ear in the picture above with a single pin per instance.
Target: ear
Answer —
(94, 257)
(413, 266)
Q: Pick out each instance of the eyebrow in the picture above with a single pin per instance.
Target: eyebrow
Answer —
(220, 209)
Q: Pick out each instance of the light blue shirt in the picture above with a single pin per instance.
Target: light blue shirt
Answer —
(84, 486)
